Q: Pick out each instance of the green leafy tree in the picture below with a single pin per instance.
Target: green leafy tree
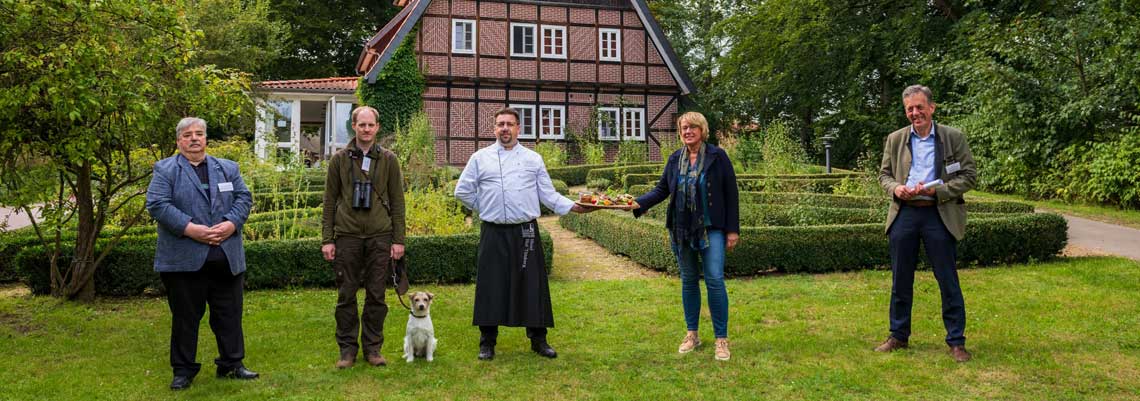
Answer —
(237, 34)
(91, 93)
(325, 37)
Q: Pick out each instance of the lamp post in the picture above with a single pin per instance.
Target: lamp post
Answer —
(827, 150)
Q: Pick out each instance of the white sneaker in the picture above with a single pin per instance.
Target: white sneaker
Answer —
(690, 343)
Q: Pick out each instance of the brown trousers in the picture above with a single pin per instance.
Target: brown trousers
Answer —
(361, 262)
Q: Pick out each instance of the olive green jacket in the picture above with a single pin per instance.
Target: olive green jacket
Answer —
(386, 216)
(950, 148)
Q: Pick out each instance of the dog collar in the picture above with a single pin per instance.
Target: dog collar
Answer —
(414, 315)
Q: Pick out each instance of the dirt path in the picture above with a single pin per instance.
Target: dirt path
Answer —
(578, 258)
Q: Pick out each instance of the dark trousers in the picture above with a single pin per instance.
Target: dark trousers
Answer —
(912, 225)
(361, 262)
(489, 335)
(188, 294)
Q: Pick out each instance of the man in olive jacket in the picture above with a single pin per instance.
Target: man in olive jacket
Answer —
(926, 169)
(362, 229)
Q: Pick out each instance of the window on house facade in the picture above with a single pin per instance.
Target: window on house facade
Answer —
(633, 124)
(463, 36)
(526, 120)
(608, 123)
(522, 40)
(609, 44)
(553, 41)
(553, 122)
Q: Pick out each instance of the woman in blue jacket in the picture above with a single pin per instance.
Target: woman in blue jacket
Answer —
(703, 223)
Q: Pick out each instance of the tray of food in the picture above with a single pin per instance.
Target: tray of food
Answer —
(604, 201)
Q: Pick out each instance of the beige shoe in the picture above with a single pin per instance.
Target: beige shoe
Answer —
(377, 360)
(722, 353)
(690, 343)
(345, 361)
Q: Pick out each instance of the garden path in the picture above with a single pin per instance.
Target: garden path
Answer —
(577, 258)
(1089, 237)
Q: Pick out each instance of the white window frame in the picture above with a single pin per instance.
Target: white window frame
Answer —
(523, 134)
(474, 36)
(602, 49)
(639, 128)
(545, 131)
(542, 42)
(617, 128)
(533, 35)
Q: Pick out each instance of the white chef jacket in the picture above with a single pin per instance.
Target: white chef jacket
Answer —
(504, 186)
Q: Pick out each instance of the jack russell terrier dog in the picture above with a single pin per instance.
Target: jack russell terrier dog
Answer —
(419, 340)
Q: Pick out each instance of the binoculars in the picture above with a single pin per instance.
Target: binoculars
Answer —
(361, 194)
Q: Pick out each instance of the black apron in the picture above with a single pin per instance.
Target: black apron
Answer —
(511, 287)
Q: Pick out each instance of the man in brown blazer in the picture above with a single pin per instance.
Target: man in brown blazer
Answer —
(926, 169)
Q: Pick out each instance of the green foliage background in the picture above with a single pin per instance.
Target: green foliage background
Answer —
(398, 90)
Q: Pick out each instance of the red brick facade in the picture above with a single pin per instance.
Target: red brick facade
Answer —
(464, 90)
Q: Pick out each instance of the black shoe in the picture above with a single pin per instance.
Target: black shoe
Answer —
(486, 352)
(240, 373)
(544, 349)
(181, 382)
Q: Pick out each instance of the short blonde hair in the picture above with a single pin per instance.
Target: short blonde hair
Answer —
(693, 118)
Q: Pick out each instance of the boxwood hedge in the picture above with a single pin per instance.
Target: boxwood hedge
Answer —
(816, 249)
(629, 180)
(129, 268)
(574, 175)
(615, 174)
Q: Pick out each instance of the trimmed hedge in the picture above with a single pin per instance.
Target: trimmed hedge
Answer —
(615, 174)
(129, 268)
(817, 249)
(852, 202)
(574, 175)
(630, 180)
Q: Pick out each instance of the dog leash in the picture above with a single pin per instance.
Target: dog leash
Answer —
(395, 275)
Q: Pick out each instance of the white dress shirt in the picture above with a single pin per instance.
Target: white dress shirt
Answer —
(504, 186)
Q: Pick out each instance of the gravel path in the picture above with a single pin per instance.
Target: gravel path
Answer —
(577, 258)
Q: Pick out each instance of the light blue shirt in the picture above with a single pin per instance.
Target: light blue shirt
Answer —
(922, 160)
(504, 186)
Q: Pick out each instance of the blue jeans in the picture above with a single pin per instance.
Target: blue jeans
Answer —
(711, 263)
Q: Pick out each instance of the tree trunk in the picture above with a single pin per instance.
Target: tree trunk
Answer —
(80, 284)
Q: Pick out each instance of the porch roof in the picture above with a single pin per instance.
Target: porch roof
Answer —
(322, 85)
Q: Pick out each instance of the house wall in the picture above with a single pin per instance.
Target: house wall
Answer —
(464, 90)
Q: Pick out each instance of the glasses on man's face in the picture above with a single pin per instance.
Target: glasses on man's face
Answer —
(505, 124)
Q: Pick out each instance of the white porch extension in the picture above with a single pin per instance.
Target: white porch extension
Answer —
(307, 118)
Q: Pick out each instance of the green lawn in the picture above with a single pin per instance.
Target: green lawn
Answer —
(1107, 214)
(1066, 330)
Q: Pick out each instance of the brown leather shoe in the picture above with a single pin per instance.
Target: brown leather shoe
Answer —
(345, 362)
(959, 353)
(377, 360)
(890, 345)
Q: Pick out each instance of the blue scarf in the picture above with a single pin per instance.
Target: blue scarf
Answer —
(688, 213)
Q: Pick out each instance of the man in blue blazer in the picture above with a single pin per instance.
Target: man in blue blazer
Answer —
(200, 203)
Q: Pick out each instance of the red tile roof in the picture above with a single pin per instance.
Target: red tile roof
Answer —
(339, 84)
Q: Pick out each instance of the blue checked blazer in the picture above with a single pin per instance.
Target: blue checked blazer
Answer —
(175, 198)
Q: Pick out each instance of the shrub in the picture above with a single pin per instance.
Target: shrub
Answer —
(593, 152)
(129, 268)
(632, 152)
(415, 150)
(615, 174)
(817, 249)
(574, 175)
(560, 186)
(599, 184)
(552, 154)
(629, 180)
(274, 201)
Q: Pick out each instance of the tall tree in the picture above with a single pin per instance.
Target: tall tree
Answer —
(237, 34)
(91, 91)
(325, 36)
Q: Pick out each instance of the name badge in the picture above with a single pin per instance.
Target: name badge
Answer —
(366, 164)
(225, 186)
(953, 168)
